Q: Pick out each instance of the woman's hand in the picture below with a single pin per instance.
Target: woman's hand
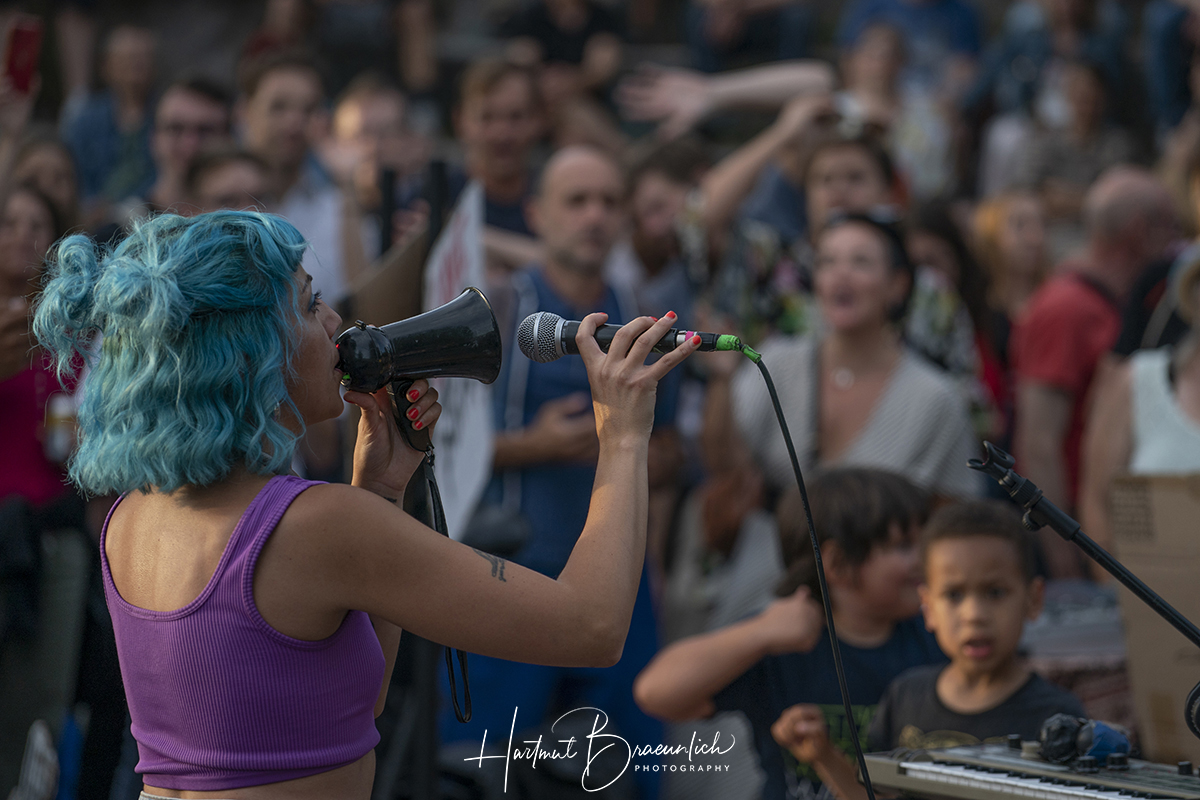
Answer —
(383, 461)
(623, 384)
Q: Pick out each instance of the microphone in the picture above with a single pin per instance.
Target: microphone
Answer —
(545, 337)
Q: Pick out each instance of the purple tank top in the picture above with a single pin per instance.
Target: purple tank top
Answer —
(219, 699)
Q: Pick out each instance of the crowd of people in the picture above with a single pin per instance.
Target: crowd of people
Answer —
(940, 221)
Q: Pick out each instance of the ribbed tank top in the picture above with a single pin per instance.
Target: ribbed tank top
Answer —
(1165, 439)
(219, 699)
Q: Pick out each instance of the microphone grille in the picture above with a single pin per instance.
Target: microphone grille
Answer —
(535, 337)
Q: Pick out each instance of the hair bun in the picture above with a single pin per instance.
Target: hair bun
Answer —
(64, 317)
(140, 295)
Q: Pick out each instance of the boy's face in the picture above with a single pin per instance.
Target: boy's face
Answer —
(891, 574)
(976, 600)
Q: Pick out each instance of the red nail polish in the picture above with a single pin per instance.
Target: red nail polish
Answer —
(413, 413)
(670, 315)
(412, 395)
(654, 318)
(418, 425)
(696, 339)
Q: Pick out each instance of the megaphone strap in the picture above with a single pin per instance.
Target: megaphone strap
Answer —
(439, 525)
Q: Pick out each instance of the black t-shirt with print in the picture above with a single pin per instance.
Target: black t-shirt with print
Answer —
(912, 715)
(777, 683)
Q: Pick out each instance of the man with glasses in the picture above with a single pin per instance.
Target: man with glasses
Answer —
(190, 116)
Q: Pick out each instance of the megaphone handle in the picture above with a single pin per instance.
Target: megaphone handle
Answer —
(417, 440)
(436, 519)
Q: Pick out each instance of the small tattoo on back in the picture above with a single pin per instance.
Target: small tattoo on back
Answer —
(496, 562)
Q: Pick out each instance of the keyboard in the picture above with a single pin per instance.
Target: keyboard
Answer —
(999, 772)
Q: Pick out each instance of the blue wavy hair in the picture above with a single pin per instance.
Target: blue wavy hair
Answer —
(196, 315)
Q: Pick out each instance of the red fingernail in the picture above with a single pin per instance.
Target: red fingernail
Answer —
(671, 315)
(413, 413)
(654, 318)
(696, 339)
(418, 425)
(412, 395)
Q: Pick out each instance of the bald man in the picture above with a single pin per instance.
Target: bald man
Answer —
(1069, 324)
(545, 460)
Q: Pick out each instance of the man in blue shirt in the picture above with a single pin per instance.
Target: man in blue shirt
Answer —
(109, 133)
(545, 461)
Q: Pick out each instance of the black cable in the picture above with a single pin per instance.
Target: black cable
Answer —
(816, 546)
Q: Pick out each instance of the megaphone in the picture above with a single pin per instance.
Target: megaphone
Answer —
(458, 340)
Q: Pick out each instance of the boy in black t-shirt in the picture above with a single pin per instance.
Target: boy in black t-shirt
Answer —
(979, 589)
(866, 520)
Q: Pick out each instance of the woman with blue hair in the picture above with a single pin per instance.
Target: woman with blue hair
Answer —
(257, 615)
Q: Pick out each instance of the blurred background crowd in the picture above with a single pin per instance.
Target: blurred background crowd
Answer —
(942, 221)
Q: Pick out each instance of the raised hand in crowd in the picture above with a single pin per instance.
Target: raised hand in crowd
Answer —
(728, 183)
(679, 99)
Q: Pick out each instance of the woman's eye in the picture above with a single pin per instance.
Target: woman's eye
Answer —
(316, 298)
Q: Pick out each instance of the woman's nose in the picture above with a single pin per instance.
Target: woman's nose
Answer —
(333, 321)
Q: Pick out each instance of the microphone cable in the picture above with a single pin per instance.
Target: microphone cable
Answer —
(757, 359)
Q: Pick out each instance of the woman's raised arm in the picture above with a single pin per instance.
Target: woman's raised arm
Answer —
(364, 553)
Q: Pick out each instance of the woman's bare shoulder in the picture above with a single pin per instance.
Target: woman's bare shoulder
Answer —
(325, 552)
(334, 523)
(338, 505)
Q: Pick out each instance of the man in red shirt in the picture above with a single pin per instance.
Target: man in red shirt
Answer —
(1070, 322)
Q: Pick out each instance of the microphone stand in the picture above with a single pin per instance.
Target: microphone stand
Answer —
(1040, 512)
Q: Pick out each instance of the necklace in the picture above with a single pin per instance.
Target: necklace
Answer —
(843, 378)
